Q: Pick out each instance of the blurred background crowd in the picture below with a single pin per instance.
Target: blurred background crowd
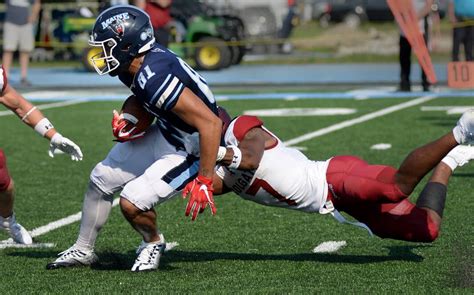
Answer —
(217, 34)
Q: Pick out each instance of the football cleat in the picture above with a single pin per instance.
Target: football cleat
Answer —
(464, 130)
(459, 156)
(149, 255)
(73, 257)
(17, 232)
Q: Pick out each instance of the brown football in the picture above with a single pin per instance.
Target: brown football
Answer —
(134, 112)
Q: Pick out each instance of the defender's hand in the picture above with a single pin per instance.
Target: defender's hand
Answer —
(61, 144)
(200, 194)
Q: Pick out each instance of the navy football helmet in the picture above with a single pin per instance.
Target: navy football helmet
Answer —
(122, 32)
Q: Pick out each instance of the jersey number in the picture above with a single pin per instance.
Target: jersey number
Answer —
(142, 79)
(262, 184)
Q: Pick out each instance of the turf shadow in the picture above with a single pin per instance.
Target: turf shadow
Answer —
(124, 261)
(396, 253)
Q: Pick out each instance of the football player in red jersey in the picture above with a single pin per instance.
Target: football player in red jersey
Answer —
(259, 167)
(32, 117)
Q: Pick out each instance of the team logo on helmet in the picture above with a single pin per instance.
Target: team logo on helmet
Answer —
(118, 26)
(115, 19)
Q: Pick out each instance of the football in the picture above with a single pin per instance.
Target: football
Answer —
(134, 112)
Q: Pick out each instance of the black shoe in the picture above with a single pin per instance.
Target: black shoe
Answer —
(426, 88)
(25, 83)
(404, 88)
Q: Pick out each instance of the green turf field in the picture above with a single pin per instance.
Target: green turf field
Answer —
(245, 248)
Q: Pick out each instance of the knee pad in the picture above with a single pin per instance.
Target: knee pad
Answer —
(107, 178)
(5, 178)
(145, 193)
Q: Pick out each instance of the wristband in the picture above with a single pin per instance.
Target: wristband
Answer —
(237, 158)
(28, 113)
(43, 126)
(221, 153)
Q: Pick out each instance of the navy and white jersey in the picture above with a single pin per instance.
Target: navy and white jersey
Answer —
(159, 83)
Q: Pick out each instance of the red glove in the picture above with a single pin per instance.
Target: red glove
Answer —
(200, 191)
(123, 129)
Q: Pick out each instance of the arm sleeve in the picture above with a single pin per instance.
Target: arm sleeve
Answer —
(164, 91)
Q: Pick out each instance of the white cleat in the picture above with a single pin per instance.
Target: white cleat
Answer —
(73, 257)
(464, 130)
(459, 156)
(17, 232)
(149, 255)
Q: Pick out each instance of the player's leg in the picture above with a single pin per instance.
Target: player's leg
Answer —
(351, 181)
(124, 162)
(423, 159)
(418, 222)
(7, 219)
(161, 181)
(405, 64)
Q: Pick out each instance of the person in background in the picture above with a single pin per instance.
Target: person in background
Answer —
(20, 17)
(160, 15)
(32, 117)
(423, 10)
(461, 16)
(287, 26)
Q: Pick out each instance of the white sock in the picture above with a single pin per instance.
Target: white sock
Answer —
(95, 212)
(450, 161)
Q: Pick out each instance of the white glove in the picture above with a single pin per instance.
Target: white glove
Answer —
(62, 144)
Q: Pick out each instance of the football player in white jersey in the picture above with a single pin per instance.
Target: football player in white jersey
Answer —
(32, 117)
(158, 166)
(259, 167)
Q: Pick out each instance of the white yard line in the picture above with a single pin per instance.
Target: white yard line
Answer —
(355, 121)
(77, 217)
(50, 106)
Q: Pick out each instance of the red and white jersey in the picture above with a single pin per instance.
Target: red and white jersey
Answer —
(3, 80)
(285, 177)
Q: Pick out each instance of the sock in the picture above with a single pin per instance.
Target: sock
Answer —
(433, 197)
(450, 161)
(95, 212)
(457, 134)
(6, 222)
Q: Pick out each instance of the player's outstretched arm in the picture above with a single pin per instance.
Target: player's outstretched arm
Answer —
(195, 113)
(248, 154)
(33, 117)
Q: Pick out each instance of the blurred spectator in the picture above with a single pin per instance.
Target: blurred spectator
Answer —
(423, 10)
(461, 15)
(160, 15)
(288, 26)
(20, 17)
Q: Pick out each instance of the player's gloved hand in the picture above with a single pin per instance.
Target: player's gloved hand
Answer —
(200, 193)
(123, 129)
(61, 144)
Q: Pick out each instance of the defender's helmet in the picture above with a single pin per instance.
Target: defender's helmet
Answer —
(122, 32)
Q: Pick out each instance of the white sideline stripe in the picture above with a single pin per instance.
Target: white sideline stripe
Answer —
(50, 106)
(15, 245)
(364, 118)
(76, 217)
(55, 225)
(61, 222)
